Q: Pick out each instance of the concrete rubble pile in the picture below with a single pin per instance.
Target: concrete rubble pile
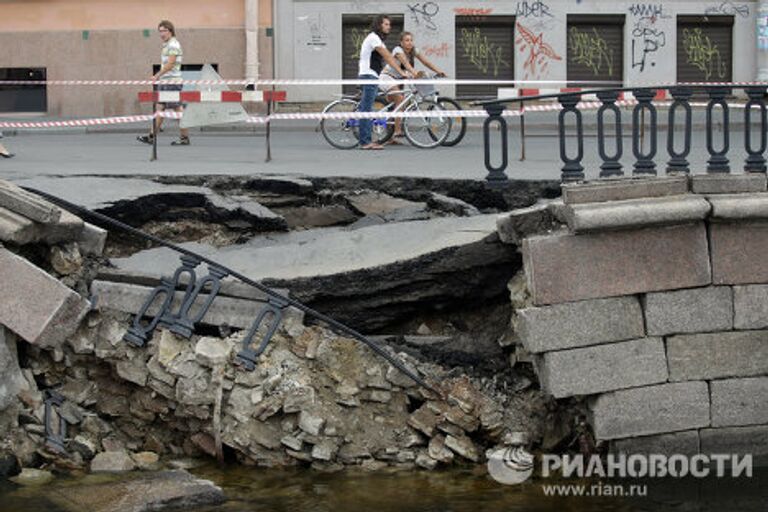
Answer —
(314, 399)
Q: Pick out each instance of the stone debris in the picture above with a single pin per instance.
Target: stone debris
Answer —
(112, 462)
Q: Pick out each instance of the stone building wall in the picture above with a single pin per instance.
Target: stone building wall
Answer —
(651, 301)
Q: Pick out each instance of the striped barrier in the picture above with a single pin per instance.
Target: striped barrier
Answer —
(505, 93)
(211, 96)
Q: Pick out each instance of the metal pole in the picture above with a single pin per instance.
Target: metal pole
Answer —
(522, 132)
(269, 128)
(154, 131)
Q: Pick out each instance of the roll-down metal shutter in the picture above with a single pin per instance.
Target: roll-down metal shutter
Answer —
(595, 49)
(355, 28)
(484, 51)
(704, 48)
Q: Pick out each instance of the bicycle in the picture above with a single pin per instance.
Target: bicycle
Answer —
(425, 132)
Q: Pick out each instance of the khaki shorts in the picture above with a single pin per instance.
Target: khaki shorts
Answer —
(386, 88)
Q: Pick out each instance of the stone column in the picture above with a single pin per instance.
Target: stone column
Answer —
(252, 39)
(762, 41)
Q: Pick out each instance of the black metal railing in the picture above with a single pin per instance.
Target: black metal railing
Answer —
(645, 128)
(181, 316)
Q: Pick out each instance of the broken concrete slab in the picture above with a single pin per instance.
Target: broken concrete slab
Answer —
(619, 189)
(12, 380)
(636, 213)
(92, 240)
(452, 205)
(379, 269)
(27, 204)
(19, 230)
(41, 310)
(377, 203)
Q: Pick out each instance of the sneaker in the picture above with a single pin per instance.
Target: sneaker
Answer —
(183, 141)
(146, 139)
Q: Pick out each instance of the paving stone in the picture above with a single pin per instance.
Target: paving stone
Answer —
(636, 213)
(651, 410)
(677, 443)
(624, 188)
(590, 370)
(738, 252)
(564, 268)
(41, 310)
(738, 441)
(717, 355)
(728, 183)
(750, 307)
(737, 402)
(689, 311)
(578, 324)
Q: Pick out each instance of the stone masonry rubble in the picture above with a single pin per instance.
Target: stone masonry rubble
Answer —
(650, 300)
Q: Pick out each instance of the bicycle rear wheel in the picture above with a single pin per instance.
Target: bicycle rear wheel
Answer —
(341, 133)
(458, 124)
(428, 130)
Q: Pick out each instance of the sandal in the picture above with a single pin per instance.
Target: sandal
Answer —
(394, 141)
(372, 146)
(7, 155)
(183, 141)
(146, 139)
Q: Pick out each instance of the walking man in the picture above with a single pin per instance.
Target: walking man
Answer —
(169, 79)
(373, 55)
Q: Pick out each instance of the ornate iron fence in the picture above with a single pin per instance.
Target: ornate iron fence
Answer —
(645, 159)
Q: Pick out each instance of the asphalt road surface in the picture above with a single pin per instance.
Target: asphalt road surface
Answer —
(305, 152)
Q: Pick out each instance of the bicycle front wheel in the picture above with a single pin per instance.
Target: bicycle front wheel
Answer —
(458, 124)
(429, 128)
(341, 133)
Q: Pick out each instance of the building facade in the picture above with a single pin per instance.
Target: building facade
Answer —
(118, 40)
(537, 41)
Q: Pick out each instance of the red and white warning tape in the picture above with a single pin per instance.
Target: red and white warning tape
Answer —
(420, 81)
(476, 113)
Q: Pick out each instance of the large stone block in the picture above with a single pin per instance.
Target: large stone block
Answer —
(590, 370)
(636, 213)
(11, 379)
(687, 311)
(737, 402)
(750, 307)
(740, 206)
(738, 441)
(563, 267)
(728, 183)
(717, 355)
(738, 252)
(625, 188)
(578, 324)
(35, 305)
(651, 410)
(682, 443)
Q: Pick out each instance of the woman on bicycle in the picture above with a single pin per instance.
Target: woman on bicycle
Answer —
(406, 54)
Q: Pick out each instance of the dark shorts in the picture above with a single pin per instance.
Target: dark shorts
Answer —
(170, 87)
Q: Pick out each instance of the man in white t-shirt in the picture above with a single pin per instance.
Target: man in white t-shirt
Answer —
(373, 55)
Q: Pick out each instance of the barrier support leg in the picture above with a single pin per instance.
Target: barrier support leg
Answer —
(153, 131)
(269, 128)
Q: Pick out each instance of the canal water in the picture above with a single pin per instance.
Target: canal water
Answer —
(454, 490)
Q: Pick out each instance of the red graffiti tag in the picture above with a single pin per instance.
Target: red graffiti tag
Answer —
(436, 50)
(539, 52)
(469, 11)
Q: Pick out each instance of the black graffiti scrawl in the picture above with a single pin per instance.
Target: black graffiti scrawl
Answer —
(647, 35)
